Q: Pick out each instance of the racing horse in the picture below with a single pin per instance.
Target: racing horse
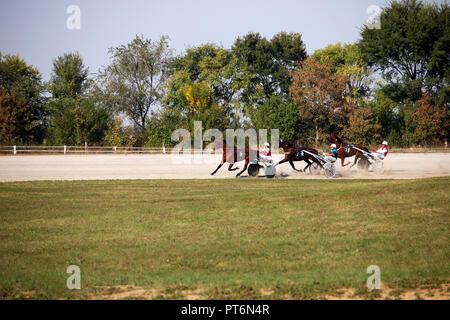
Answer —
(233, 155)
(292, 154)
(345, 150)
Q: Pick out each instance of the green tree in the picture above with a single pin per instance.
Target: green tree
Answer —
(212, 65)
(69, 78)
(76, 121)
(161, 126)
(200, 88)
(23, 102)
(282, 114)
(263, 67)
(388, 114)
(133, 83)
(410, 48)
(76, 116)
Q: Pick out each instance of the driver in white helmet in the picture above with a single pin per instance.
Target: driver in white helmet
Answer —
(265, 154)
(332, 155)
(382, 152)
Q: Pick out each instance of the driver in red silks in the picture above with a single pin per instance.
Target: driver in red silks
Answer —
(382, 152)
(265, 154)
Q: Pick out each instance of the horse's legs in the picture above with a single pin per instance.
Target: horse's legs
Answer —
(293, 167)
(230, 166)
(356, 159)
(342, 161)
(308, 164)
(281, 161)
(218, 167)
(245, 167)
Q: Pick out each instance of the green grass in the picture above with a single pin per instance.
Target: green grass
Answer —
(227, 238)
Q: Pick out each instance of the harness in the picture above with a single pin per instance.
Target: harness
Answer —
(348, 148)
(299, 153)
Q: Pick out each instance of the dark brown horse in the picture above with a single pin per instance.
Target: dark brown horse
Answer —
(233, 155)
(292, 154)
(345, 150)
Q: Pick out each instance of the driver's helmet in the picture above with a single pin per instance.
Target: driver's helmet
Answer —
(333, 146)
(266, 144)
(385, 143)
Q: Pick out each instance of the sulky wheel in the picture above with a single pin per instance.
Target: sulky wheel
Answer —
(253, 169)
(329, 169)
(377, 166)
(363, 164)
(314, 168)
(270, 171)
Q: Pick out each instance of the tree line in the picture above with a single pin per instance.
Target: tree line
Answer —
(392, 84)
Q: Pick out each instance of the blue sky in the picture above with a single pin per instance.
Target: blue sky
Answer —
(37, 31)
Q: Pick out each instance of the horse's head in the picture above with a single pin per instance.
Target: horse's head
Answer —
(285, 144)
(332, 138)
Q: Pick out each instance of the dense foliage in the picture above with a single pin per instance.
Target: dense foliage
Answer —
(76, 114)
(22, 102)
(392, 84)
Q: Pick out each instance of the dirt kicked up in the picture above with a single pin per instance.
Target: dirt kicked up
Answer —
(162, 166)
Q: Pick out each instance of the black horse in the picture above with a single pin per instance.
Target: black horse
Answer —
(292, 154)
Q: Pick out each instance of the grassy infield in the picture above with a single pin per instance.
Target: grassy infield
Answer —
(237, 238)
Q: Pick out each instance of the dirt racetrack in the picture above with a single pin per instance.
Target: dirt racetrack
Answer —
(160, 166)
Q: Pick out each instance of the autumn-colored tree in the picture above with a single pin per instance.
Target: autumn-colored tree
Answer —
(319, 93)
(347, 59)
(359, 125)
(432, 122)
(119, 135)
(15, 124)
(23, 103)
(197, 95)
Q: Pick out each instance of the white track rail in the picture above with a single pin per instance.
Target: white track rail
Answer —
(89, 149)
